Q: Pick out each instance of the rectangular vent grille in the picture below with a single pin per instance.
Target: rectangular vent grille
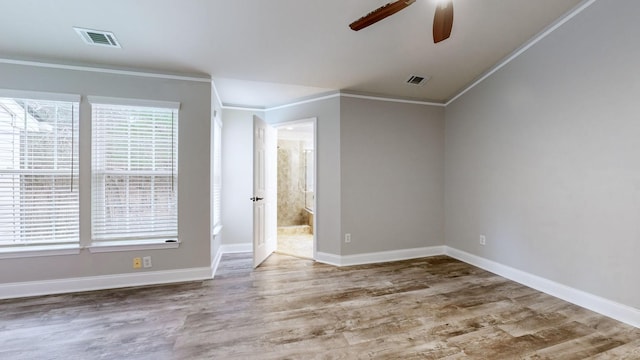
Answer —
(417, 80)
(98, 37)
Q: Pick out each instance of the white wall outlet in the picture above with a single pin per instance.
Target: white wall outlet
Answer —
(146, 261)
(483, 240)
(347, 238)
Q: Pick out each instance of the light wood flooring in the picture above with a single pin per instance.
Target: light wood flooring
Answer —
(291, 308)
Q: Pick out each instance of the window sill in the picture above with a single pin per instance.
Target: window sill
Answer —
(113, 246)
(40, 250)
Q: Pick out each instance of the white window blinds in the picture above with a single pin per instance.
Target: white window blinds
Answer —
(38, 172)
(134, 172)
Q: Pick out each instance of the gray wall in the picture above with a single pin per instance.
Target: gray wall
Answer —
(193, 169)
(327, 112)
(380, 174)
(544, 158)
(392, 166)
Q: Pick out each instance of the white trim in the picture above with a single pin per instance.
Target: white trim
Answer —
(320, 98)
(243, 108)
(39, 95)
(106, 100)
(215, 92)
(102, 282)
(218, 121)
(314, 121)
(379, 257)
(581, 298)
(236, 248)
(331, 96)
(402, 101)
(104, 70)
(327, 258)
(38, 250)
(617, 311)
(90, 283)
(228, 249)
(115, 246)
(537, 38)
(216, 262)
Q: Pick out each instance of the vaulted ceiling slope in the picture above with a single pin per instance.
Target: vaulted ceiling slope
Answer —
(262, 53)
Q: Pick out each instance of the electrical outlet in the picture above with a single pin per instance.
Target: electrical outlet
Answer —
(146, 261)
(347, 238)
(483, 240)
(137, 263)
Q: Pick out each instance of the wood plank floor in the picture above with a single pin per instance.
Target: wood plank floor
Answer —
(290, 308)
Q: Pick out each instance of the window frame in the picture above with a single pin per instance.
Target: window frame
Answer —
(133, 243)
(43, 248)
(216, 207)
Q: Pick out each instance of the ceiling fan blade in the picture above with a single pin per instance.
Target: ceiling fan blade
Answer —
(379, 14)
(442, 21)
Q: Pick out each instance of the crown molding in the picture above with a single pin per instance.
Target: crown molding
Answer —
(537, 38)
(104, 70)
(506, 60)
(389, 99)
(305, 101)
(331, 96)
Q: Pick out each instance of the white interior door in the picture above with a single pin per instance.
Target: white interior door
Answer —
(264, 191)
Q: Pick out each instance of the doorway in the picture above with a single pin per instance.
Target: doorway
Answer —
(296, 190)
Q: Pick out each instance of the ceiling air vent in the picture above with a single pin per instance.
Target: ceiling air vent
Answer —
(417, 80)
(97, 37)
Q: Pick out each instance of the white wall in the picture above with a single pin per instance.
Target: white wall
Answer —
(392, 175)
(237, 176)
(193, 169)
(543, 157)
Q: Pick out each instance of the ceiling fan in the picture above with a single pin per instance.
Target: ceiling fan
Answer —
(442, 19)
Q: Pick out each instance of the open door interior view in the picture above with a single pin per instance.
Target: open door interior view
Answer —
(296, 188)
(284, 194)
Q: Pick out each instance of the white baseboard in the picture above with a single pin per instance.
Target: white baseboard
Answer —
(326, 258)
(235, 248)
(90, 283)
(612, 309)
(379, 257)
(228, 249)
(620, 312)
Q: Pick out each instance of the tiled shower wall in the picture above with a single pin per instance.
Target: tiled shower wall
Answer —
(291, 183)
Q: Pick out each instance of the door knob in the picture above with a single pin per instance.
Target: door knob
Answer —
(254, 199)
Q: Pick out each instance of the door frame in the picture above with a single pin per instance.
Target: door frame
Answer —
(314, 121)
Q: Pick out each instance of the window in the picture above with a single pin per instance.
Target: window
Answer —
(217, 175)
(38, 172)
(134, 171)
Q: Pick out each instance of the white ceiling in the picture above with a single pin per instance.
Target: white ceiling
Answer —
(264, 53)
